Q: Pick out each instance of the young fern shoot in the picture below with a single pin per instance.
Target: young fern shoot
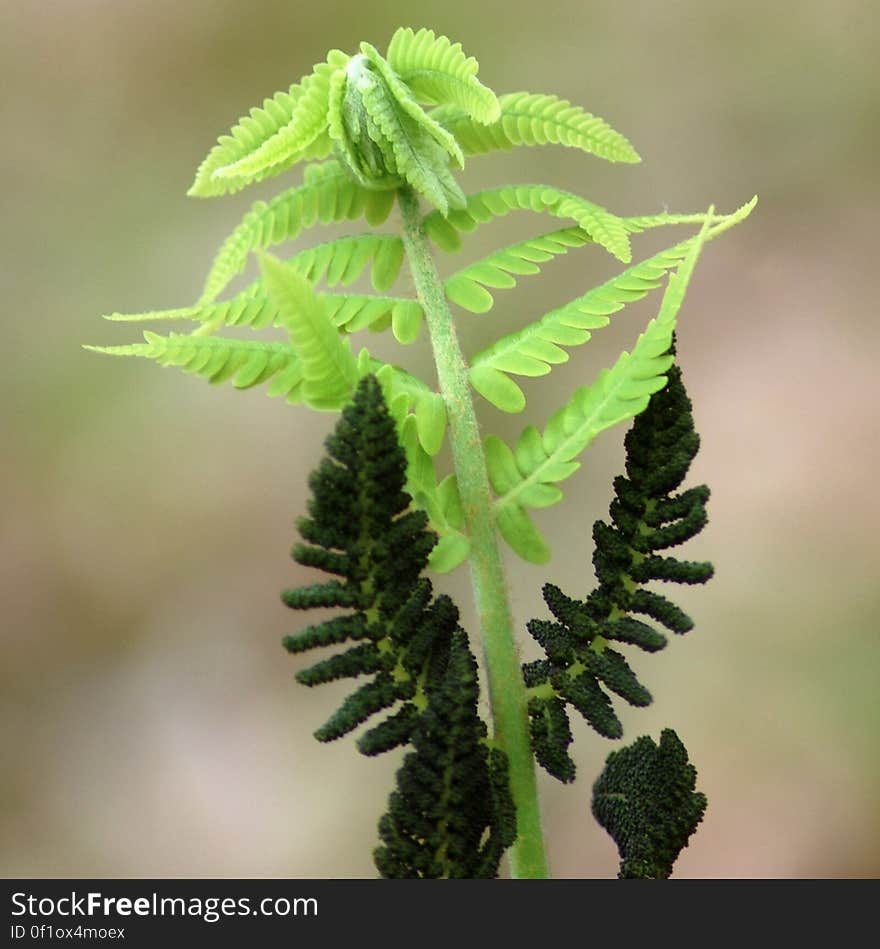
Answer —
(380, 131)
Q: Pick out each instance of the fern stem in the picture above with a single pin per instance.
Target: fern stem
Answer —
(506, 688)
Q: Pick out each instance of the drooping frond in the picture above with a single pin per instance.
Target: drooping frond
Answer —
(529, 475)
(329, 369)
(535, 119)
(362, 531)
(646, 516)
(246, 362)
(252, 131)
(646, 799)
(468, 287)
(452, 815)
(308, 122)
(535, 349)
(438, 73)
(327, 194)
(605, 228)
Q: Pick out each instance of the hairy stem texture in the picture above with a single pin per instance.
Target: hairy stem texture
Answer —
(506, 689)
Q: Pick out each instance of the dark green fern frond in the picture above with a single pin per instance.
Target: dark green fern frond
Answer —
(362, 531)
(581, 666)
(646, 800)
(451, 816)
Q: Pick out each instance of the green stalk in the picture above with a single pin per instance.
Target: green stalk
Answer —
(506, 688)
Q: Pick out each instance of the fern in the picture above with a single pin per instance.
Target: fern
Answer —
(451, 816)
(535, 349)
(328, 366)
(388, 503)
(468, 286)
(529, 119)
(327, 194)
(646, 517)
(249, 134)
(438, 72)
(361, 531)
(527, 477)
(645, 799)
(308, 120)
(246, 362)
(603, 227)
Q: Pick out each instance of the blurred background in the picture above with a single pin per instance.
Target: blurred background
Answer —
(152, 725)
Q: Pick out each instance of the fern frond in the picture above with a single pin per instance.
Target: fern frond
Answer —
(535, 349)
(646, 799)
(438, 72)
(328, 366)
(362, 531)
(469, 287)
(528, 476)
(308, 122)
(645, 517)
(246, 362)
(534, 119)
(606, 229)
(252, 131)
(417, 146)
(451, 816)
(327, 194)
(403, 96)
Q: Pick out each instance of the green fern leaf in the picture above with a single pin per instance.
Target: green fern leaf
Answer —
(441, 502)
(308, 122)
(403, 96)
(619, 393)
(418, 156)
(534, 350)
(246, 362)
(327, 194)
(328, 366)
(337, 262)
(605, 228)
(469, 287)
(403, 389)
(252, 131)
(438, 72)
(534, 119)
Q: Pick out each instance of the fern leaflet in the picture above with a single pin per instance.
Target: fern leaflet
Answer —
(438, 72)
(251, 131)
(645, 517)
(327, 194)
(534, 119)
(528, 476)
(535, 349)
(246, 362)
(468, 286)
(606, 229)
(328, 366)
(308, 122)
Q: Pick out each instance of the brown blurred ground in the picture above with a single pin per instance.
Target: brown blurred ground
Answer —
(151, 724)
